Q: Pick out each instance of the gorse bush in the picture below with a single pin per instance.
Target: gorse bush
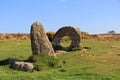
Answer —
(50, 35)
(42, 62)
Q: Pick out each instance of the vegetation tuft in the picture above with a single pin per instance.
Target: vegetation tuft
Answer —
(43, 61)
(76, 48)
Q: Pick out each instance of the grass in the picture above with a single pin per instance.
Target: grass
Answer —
(66, 43)
(43, 62)
(100, 62)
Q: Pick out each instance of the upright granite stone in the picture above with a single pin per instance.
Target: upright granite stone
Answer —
(69, 31)
(39, 41)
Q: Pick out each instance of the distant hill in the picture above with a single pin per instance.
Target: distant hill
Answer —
(84, 35)
(14, 36)
(106, 36)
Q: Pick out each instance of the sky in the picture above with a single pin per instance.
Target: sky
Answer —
(91, 16)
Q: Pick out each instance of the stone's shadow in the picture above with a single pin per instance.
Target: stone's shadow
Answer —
(4, 62)
(8, 61)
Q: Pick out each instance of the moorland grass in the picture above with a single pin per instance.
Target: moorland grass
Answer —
(100, 62)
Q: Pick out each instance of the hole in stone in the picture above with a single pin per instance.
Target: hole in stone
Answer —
(66, 41)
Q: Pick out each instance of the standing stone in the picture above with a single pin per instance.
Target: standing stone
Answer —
(69, 31)
(39, 41)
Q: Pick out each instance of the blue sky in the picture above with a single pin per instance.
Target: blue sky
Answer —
(92, 16)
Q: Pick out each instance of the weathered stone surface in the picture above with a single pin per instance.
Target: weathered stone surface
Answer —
(20, 65)
(39, 41)
(66, 31)
(23, 66)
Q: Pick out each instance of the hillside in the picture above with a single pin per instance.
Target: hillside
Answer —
(84, 35)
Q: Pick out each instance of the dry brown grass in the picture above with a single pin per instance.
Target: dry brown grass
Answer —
(107, 36)
(50, 35)
(14, 36)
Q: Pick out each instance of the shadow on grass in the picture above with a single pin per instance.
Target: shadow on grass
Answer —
(4, 62)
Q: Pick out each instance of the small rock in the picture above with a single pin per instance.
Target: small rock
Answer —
(60, 51)
(23, 66)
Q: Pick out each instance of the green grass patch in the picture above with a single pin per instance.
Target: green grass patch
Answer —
(43, 62)
(100, 62)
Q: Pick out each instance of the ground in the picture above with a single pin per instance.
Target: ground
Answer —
(100, 62)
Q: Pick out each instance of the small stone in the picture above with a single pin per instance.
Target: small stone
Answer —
(23, 66)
